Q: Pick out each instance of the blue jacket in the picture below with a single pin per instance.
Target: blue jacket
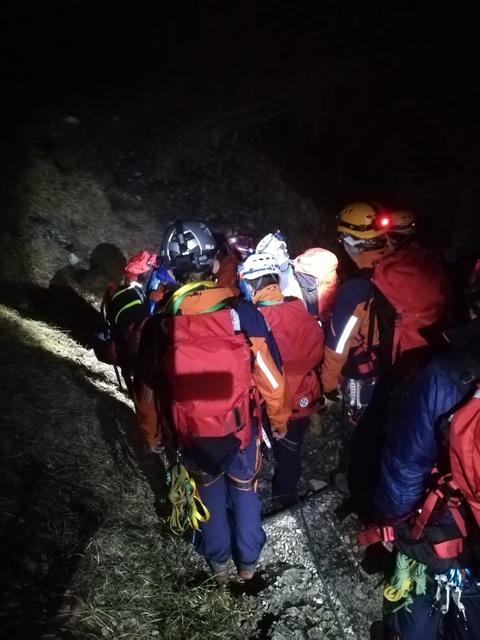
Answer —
(413, 447)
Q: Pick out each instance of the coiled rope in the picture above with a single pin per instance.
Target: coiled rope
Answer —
(188, 510)
(409, 575)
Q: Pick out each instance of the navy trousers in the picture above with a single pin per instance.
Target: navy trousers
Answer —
(235, 526)
(288, 462)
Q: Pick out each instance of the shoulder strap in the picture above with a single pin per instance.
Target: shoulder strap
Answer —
(309, 288)
(370, 306)
(464, 366)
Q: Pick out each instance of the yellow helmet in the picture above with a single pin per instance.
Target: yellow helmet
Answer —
(403, 222)
(364, 220)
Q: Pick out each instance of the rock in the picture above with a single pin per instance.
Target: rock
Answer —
(73, 259)
(360, 592)
(70, 120)
(317, 485)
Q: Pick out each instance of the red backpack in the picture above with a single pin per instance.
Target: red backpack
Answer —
(465, 452)
(417, 287)
(300, 340)
(316, 273)
(208, 373)
(462, 485)
(140, 264)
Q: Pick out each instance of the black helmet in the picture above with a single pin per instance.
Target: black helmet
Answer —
(187, 245)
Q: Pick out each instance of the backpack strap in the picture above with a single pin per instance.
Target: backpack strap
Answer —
(465, 367)
(372, 535)
(371, 307)
(309, 289)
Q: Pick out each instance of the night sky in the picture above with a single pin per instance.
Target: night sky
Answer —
(355, 101)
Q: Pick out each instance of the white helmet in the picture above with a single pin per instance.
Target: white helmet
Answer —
(258, 265)
(274, 244)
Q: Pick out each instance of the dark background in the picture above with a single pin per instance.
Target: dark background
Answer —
(370, 101)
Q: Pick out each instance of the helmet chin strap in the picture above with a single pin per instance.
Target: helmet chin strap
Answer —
(182, 245)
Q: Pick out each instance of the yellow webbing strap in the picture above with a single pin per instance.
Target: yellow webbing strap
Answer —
(188, 509)
(178, 296)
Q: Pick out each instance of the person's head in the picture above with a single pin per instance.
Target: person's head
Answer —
(402, 229)
(188, 250)
(259, 270)
(240, 244)
(362, 228)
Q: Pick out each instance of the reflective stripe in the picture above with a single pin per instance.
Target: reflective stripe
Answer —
(119, 293)
(352, 321)
(132, 285)
(263, 366)
(127, 306)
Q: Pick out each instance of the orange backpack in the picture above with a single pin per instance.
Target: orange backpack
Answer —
(316, 273)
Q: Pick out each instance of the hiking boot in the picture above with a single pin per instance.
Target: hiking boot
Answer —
(247, 571)
(219, 571)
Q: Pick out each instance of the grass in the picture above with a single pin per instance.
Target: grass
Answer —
(142, 585)
(82, 508)
(83, 552)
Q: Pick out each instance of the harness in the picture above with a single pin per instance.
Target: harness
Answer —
(445, 497)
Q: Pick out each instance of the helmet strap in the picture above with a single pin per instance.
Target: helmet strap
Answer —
(182, 245)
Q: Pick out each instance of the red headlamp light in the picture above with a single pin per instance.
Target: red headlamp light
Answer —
(383, 221)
